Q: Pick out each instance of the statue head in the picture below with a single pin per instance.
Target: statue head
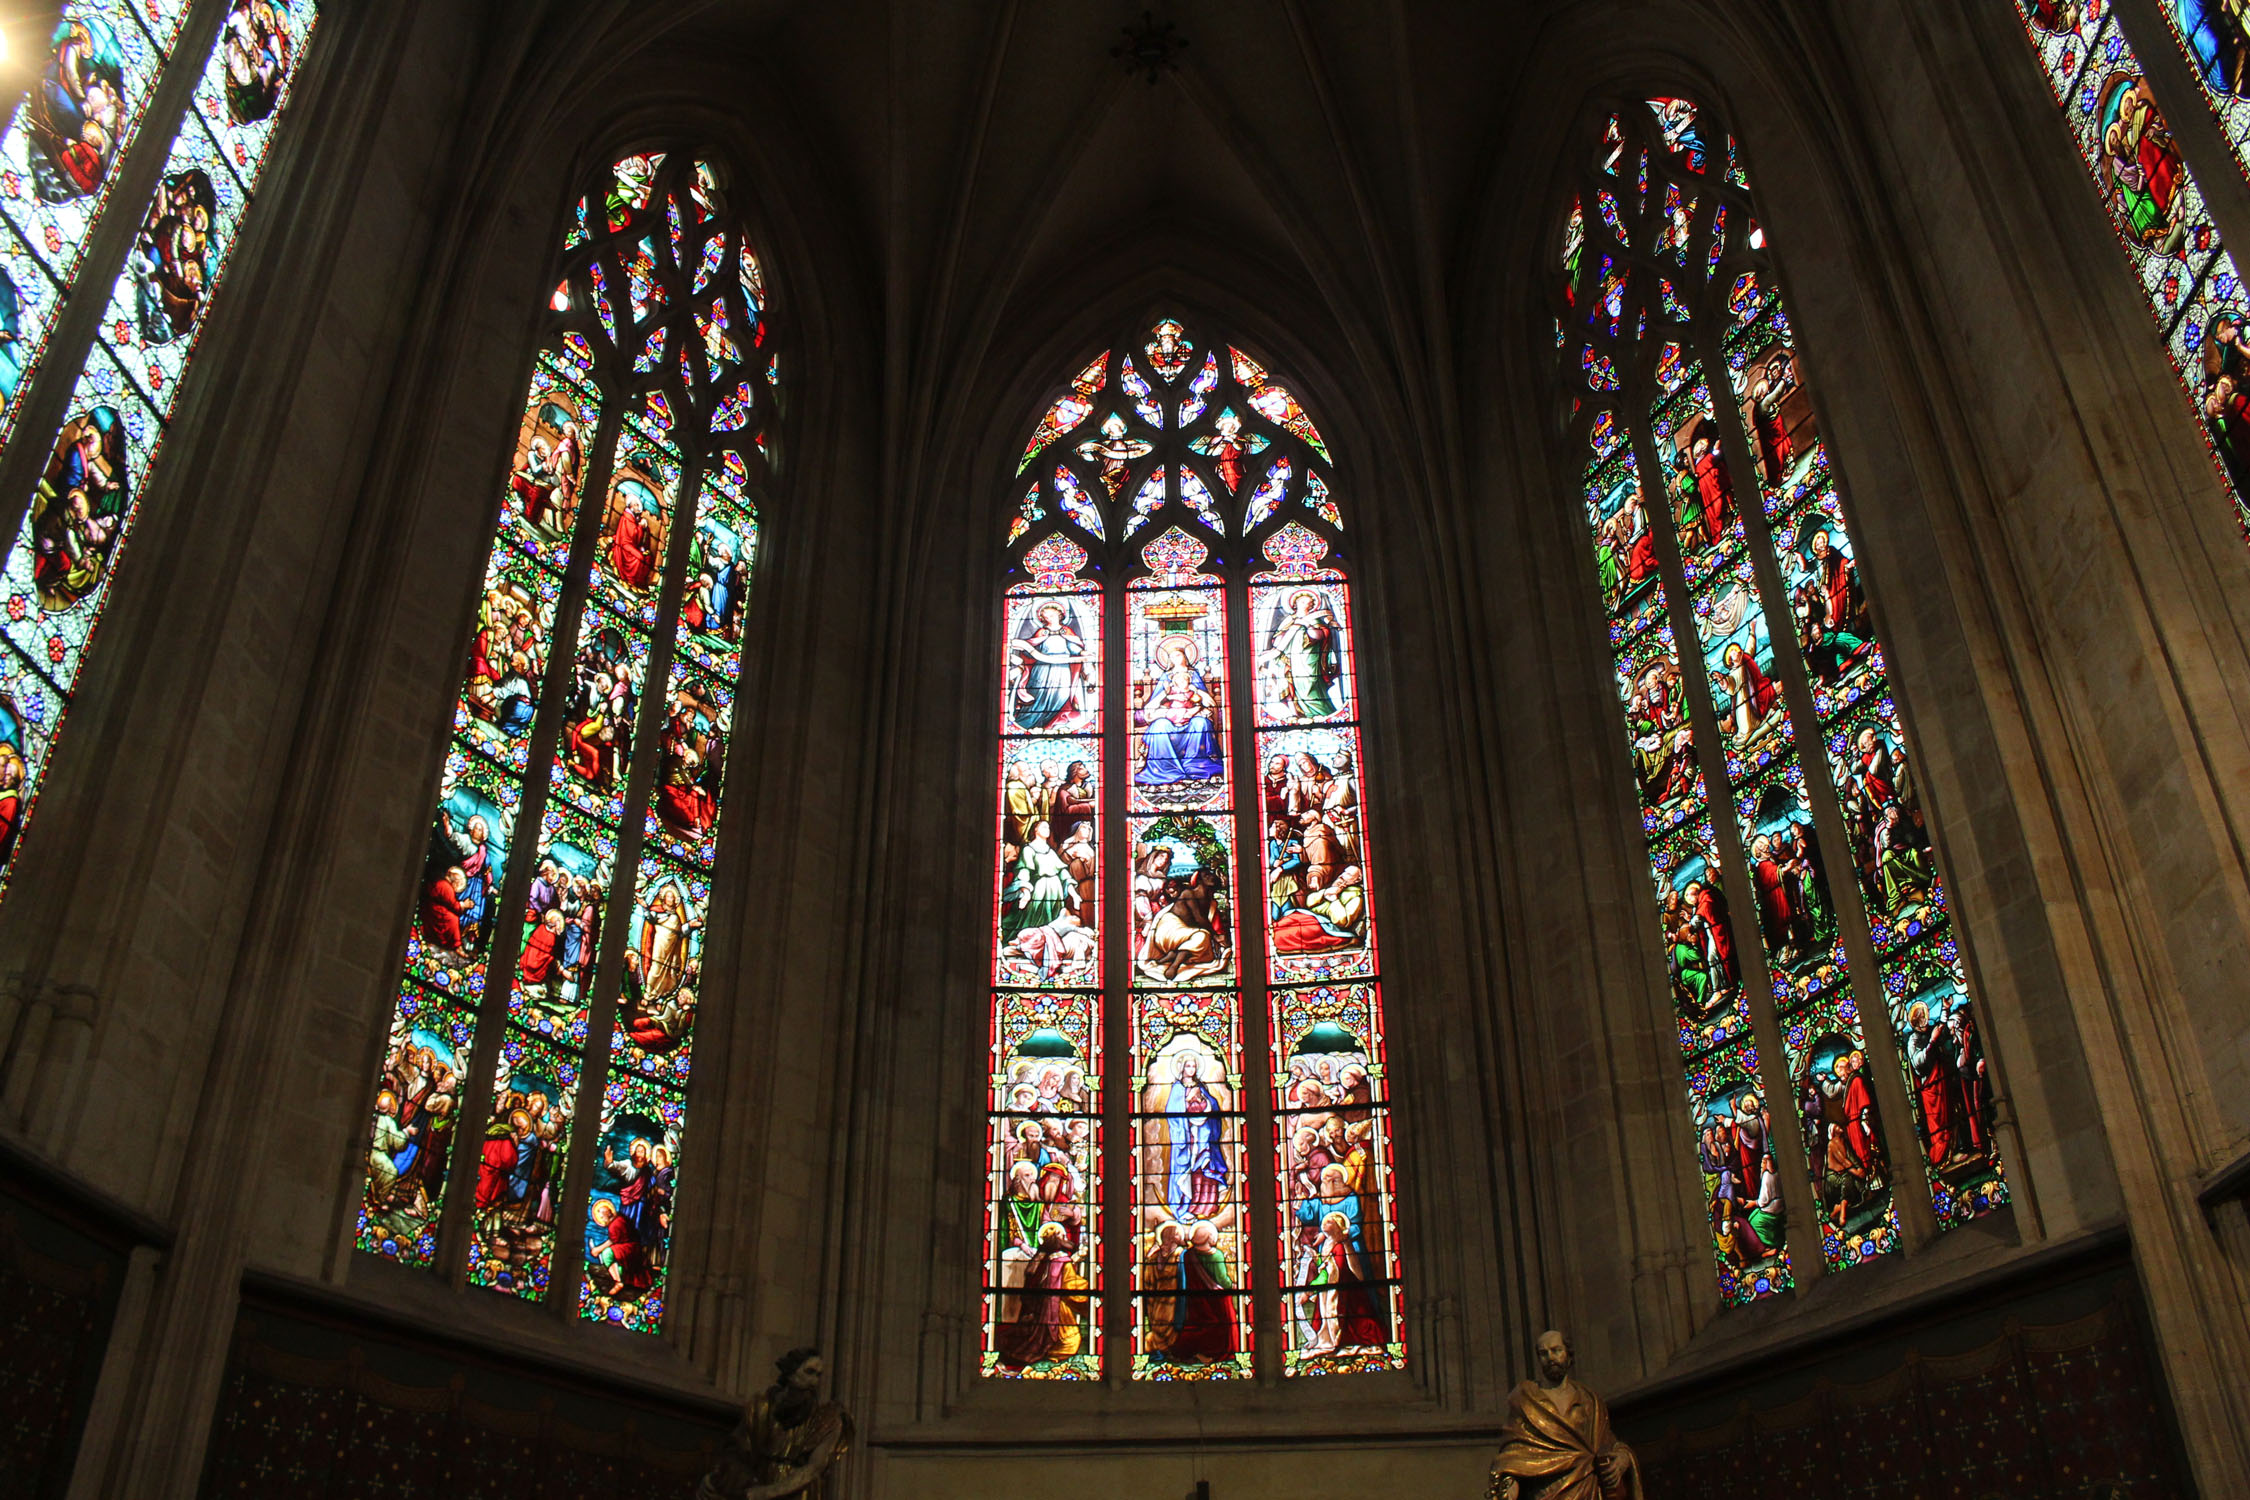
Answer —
(1553, 1351)
(799, 1369)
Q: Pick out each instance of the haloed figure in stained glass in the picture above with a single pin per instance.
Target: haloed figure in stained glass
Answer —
(258, 53)
(631, 1219)
(1206, 490)
(79, 508)
(1315, 892)
(78, 109)
(1332, 1212)
(1176, 708)
(1300, 665)
(694, 767)
(2217, 33)
(1823, 582)
(1843, 1139)
(1746, 1209)
(414, 1119)
(2142, 164)
(1190, 1315)
(1703, 489)
(171, 266)
(547, 479)
(1048, 687)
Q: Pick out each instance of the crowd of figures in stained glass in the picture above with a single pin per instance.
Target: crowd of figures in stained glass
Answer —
(2154, 203)
(1179, 704)
(155, 270)
(556, 935)
(1794, 880)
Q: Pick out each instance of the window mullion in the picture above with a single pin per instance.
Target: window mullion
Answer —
(1114, 1062)
(506, 936)
(1886, 1077)
(1260, 1147)
(1741, 895)
(593, 1076)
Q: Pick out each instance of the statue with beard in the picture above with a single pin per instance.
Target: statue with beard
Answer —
(1557, 1444)
(788, 1442)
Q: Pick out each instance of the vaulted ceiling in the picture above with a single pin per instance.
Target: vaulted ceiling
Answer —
(990, 159)
(998, 147)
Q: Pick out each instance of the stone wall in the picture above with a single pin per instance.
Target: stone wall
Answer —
(200, 941)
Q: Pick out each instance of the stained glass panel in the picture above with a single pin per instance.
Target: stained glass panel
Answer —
(1047, 903)
(628, 1222)
(1238, 454)
(1734, 1142)
(2155, 205)
(1305, 667)
(1773, 772)
(1043, 1292)
(1709, 995)
(86, 108)
(688, 450)
(1190, 1205)
(1178, 747)
(1342, 1305)
(561, 924)
(86, 502)
(1052, 677)
(456, 911)
(417, 1107)
(1864, 755)
(519, 1177)
(1069, 409)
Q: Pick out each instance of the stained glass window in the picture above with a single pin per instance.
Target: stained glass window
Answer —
(548, 1002)
(1178, 711)
(56, 158)
(58, 161)
(2184, 270)
(1793, 876)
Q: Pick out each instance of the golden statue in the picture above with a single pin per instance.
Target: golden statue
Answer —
(789, 1440)
(1557, 1444)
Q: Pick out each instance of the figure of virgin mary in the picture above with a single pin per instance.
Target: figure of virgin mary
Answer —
(1177, 714)
(1197, 1180)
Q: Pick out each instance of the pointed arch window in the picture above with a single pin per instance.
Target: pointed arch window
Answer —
(1179, 705)
(556, 931)
(2186, 274)
(1809, 937)
(193, 92)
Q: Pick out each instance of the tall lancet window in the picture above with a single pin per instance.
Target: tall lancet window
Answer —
(1808, 934)
(2186, 274)
(1178, 703)
(191, 93)
(556, 927)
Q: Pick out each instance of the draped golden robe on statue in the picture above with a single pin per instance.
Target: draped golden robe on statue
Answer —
(765, 1456)
(1551, 1459)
